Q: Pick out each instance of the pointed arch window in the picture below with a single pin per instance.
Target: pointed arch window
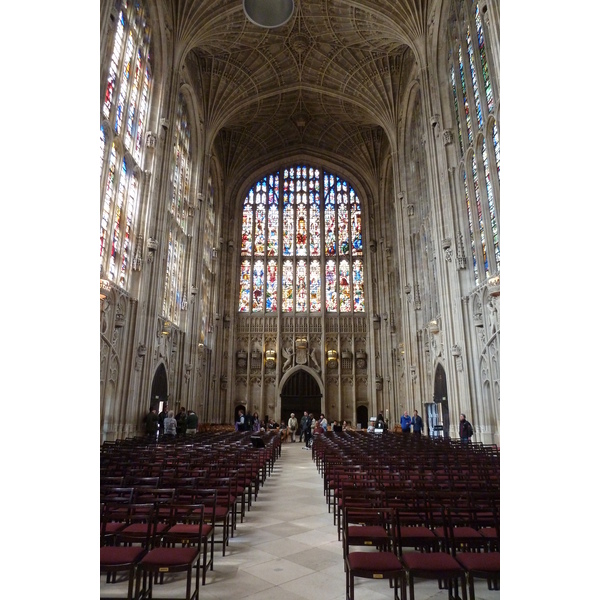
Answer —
(301, 244)
(175, 292)
(124, 114)
(478, 136)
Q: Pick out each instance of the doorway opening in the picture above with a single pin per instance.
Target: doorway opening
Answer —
(160, 386)
(440, 397)
(362, 417)
(301, 392)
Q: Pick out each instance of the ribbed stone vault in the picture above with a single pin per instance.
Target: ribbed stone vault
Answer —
(329, 82)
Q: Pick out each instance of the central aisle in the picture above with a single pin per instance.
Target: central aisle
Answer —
(287, 547)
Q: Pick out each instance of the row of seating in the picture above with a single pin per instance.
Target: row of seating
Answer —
(394, 492)
(161, 503)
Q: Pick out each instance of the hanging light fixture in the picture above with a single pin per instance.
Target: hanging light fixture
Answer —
(269, 13)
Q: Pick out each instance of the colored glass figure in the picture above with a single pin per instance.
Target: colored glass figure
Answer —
(287, 287)
(257, 285)
(131, 212)
(458, 125)
(480, 217)
(330, 286)
(142, 113)
(117, 224)
(109, 196)
(474, 80)
(271, 291)
(487, 84)
(345, 298)
(471, 228)
(491, 204)
(288, 220)
(244, 304)
(356, 228)
(464, 93)
(342, 219)
(301, 287)
(124, 83)
(496, 140)
(273, 216)
(315, 286)
(114, 66)
(315, 225)
(358, 286)
(301, 236)
(259, 227)
(247, 221)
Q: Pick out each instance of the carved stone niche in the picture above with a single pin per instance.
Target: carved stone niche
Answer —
(361, 359)
(242, 359)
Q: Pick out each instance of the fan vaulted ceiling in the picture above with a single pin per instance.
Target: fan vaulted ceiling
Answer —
(329, 82)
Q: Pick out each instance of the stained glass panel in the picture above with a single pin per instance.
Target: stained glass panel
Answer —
(480, 218)
(471, 228)
(330, 286)
(345, 298)
(491, 204)
(358, 286)
(487, 84)
(465, 97)
(301, 286)
(244, 304)
(315, 286)
(258, 282)
(287, 287)
(271, 291)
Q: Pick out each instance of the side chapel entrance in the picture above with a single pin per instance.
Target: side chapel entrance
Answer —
(299, 393)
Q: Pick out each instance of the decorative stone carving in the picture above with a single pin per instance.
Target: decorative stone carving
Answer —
(448, 137)
(150, 139)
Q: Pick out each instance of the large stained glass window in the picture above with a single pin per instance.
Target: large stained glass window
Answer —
(309, 236)
(123, 116)
(174, 298)
(472, 98)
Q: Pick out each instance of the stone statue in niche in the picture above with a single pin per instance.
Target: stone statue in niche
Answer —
(493, 316)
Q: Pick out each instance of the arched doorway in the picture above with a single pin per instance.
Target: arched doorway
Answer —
(299, 393)
(440, 398)
(362, 417)
(160, 387)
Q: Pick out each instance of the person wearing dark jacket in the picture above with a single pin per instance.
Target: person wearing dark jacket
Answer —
(465, 430)
(191, 422)
(151, 422)
(417, 424)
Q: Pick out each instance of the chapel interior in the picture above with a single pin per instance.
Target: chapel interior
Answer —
(300, 208)
(299, 211)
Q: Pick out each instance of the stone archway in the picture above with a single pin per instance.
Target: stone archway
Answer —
(160, 387)
(300, 392)
(440, 397)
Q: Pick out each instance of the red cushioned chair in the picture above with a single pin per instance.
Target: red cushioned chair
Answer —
(119, 558)
(438, 564)
(378, 563)
(180, 550)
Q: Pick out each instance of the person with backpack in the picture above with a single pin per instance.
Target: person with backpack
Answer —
(465, 429)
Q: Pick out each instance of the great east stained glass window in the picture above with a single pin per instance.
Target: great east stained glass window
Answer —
(301, 244)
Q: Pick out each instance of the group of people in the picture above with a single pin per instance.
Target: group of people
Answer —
(465, 429)
(167, 424)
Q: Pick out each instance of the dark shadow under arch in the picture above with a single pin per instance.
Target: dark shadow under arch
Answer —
(160, 387)
(299, 393)
(440, 396)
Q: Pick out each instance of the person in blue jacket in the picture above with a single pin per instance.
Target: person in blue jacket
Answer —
(405, 422)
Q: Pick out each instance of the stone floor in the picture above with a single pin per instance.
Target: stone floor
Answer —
(287, 548)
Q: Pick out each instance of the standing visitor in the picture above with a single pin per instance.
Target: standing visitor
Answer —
(292, 426)
(405, 422)
(417, 424)
(465, 430)
(191, 423)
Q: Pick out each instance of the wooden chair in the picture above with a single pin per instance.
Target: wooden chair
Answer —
(179, 550)
(124, 558)
(381, 562)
